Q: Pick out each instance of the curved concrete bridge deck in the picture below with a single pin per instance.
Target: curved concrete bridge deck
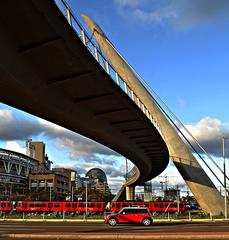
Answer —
(46, 70)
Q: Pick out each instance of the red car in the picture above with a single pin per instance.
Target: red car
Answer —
(130, 215)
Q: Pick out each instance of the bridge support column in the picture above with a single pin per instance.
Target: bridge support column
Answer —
(130, 193)
(148, 191)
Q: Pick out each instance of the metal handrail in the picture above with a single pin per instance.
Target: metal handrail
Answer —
(104, 61)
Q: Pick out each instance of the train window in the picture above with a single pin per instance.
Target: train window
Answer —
(43, 205)
(81, 204)
(98, 205)
(146, 205)
(68, 205)
(37, 205)
(74, 205)
(156, 205)
(49, 205)
(56, 205)
(161, 205)
(31, 205)
(92, 205)
(118, 205)
(24, 205)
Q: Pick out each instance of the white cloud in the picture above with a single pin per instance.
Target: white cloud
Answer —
(14, 146)
(182, 14)
(5, 116)
(129, 3)
(209, 131)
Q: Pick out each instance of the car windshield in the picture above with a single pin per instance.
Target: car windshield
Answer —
(119, 212)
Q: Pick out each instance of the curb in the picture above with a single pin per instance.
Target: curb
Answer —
(118, 236)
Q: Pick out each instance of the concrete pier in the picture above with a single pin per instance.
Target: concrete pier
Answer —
(130, 193)
(148, 191)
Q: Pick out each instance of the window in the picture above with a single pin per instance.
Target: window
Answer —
(31, 205)
(68, 205)
(141, 210)
(37, 205)
(3, 205)
(56, 205)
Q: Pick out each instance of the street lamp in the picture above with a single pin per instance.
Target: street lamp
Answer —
(72, 193)
(50, 193)
(86, 181)
(225, 179)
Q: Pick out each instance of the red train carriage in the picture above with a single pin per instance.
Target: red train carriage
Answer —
(80, 207)
(168, 206)
(6, 206)
(152, 206)
(38, 206)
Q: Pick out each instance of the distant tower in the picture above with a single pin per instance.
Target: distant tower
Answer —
(36, 150)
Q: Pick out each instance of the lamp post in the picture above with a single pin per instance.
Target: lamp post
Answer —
(225, 179)
(86, 181)
(72, 193)
(50, 193)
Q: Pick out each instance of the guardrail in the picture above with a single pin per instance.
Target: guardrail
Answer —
(101, 59)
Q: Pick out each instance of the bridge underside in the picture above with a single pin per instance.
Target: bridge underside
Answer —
(46, 70)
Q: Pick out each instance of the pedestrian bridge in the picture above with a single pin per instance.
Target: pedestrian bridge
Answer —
(50, 67)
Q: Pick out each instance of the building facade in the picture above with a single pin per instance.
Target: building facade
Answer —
(16, 167)
(55, 182)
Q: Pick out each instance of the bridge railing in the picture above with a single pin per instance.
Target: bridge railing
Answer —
(94, 49)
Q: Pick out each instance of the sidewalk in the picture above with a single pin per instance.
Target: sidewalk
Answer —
(123, 236)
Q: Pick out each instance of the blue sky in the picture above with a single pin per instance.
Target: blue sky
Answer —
(180, 47)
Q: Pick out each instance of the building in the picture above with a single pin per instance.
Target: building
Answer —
(15, 169)
(172, 194)
(36, 150)
(78, 182)
(97, 180)
(71, 174)
(56, 182)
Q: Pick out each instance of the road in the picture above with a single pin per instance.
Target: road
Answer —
(55, 229)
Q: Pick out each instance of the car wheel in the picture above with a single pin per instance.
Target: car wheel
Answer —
(146, 221)
(112, 221)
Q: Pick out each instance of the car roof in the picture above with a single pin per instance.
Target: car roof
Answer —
(134, 208)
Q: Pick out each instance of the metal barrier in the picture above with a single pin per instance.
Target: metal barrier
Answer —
(101, 59)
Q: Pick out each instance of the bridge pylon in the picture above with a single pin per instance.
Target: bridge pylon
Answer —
(198, 181)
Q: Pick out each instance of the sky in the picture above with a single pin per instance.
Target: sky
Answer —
(180, 48)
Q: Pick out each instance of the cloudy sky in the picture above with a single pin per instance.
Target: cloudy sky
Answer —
(180, 47)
